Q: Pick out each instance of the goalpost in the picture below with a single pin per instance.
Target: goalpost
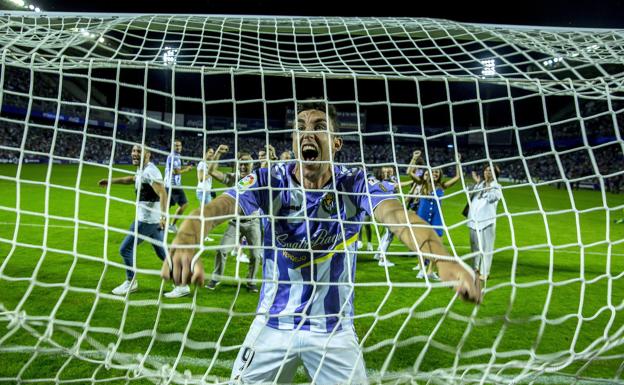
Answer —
(544, 104)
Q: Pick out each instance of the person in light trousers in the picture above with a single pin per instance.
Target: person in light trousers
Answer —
(485, 195)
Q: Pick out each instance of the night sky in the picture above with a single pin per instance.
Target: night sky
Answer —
(589, 14)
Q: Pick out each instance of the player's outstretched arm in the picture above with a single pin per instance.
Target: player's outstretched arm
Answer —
(213, 169)
(183, 264)
(122, 180)
(424, 239)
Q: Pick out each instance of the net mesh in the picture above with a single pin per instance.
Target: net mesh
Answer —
(543, 104)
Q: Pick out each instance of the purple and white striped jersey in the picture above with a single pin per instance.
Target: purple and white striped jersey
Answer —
(309, 284)
(173, 163)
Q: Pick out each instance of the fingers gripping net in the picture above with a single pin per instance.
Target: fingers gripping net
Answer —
(542, 104)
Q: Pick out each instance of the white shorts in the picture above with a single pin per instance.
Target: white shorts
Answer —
(269, 355)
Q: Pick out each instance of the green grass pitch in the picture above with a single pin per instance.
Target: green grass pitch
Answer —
(545, 309)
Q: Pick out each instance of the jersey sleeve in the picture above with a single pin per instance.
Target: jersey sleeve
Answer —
(370, 192)
(252, 192)
(152, 175)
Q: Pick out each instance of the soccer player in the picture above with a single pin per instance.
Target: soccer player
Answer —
(386, 174)
(204, 182)
(249, 227)
(482, 219)
(150, 222)
(285, 156)
(173, 183)
(316, 211)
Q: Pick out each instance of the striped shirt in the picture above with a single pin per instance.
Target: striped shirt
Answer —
(173, 163)
(309, 284)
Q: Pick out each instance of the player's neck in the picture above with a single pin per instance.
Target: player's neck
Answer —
(316, 181)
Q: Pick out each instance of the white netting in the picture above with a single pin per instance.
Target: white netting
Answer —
(543, 104)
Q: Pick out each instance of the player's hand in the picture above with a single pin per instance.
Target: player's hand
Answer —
(468, 284)
(458, 157)
(261, 154)
(179, 265)
(189, 167)
(416, 154)
(476, 177)
(272, 154)
(163, 222)
(222, 149)
(103, 182)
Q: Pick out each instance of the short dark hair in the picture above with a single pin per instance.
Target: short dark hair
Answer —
(320, 105)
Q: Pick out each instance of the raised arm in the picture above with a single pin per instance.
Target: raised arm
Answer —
(183, 263)
(424, 239)
(458, 173)
(412, 168)
(272, 157)
(213, 169)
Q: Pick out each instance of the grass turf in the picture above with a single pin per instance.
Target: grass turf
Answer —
(545, 307)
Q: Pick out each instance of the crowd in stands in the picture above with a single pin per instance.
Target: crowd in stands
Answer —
(581, 166)
(578, 148)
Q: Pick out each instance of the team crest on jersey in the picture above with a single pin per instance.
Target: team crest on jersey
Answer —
(374, 181)
(247, 181)
(329, 203)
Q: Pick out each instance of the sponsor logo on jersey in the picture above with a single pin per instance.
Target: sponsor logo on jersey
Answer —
(247, 181)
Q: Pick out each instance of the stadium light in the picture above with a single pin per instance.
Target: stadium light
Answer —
(170, 55)
(489, 68)
(552, 61)
(31, 7)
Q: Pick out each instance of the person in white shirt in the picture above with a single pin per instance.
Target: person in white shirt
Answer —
(482, 219)
(150, 221)
(204, 180)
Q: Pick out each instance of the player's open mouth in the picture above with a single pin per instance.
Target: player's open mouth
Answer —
(309, 152)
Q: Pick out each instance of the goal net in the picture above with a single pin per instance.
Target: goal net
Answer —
(544, 105)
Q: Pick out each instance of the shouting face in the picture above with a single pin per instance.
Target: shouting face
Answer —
(245, 165)
(387, 173)
(314, 143)
(137, 153)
